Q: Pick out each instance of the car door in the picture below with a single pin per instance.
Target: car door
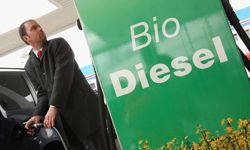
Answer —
(17, 96)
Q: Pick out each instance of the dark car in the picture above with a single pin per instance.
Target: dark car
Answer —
(17, 102)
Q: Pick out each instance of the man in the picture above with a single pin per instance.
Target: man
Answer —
(62, 88)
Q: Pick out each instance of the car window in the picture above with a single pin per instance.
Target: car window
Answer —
(14, 81)
(8, 103)
(10, 100)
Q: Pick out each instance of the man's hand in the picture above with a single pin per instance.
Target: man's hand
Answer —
(33, 120)
(49, 120)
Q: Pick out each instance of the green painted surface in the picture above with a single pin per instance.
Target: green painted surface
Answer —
(184, 68)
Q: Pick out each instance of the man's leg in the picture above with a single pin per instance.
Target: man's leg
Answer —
(72, 141)
(95, 141)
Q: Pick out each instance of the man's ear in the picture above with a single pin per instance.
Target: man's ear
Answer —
(26, 38)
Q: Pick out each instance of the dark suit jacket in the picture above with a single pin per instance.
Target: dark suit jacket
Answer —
(60, 82)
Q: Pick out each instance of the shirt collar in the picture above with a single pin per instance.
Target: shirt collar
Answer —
(35, 52)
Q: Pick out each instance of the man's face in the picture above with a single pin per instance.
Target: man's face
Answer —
(35, 34)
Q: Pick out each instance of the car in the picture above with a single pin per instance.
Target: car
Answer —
(17, 102)
(18, 99)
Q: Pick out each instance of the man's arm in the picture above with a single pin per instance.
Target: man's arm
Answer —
(63, 78)
(64, 74)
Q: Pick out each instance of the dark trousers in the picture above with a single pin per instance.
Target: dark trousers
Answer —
(70, 139)
(95, 141)
(92, 142)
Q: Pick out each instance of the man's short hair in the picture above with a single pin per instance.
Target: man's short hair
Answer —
(22, 30)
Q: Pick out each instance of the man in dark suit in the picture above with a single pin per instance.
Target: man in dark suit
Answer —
(62, 88)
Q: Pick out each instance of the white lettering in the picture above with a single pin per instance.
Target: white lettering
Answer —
(144, 33)
(220, 49)
(136, 44)
(157, 70)
(119, 91)
(177, 27)
(142, 76)
(156, 30)
(183, 67)
(201, 56)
